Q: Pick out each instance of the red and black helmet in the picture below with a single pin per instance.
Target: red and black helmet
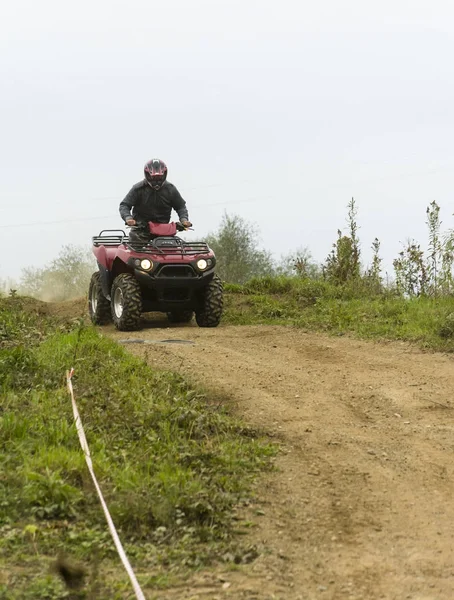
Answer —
(155, 173)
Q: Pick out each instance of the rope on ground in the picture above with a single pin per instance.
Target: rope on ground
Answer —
(113, 531)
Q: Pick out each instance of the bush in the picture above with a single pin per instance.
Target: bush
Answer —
(66, 277)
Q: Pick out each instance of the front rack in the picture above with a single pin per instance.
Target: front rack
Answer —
(157, 245)
(108, 240)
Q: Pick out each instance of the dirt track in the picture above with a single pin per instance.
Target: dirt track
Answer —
(363, 503)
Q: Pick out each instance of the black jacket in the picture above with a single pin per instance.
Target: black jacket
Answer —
(148, 204)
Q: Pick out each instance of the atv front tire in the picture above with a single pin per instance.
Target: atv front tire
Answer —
(180, 316)
(126, 302)
(210, 313)
(98, 305)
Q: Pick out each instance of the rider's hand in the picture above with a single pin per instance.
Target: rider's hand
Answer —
(186, 224)
(130, 222)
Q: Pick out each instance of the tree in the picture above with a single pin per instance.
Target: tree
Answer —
(373, 274)
(341, 264)
(355, 247)
(344, 261)
(427, 274)
(434, 261)
(411, 270)
(66, 277)
(238, 256)
(300, 263)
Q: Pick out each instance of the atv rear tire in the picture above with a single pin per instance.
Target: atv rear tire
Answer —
(98, 305)
(210, 313)
(180, 316)
(126, 302)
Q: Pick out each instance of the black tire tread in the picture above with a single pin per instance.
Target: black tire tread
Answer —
(103, 315)
(132, 298)
(212, 306)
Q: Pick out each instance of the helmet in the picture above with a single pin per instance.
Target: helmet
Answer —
(155, 173)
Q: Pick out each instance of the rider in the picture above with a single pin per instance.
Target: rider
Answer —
(152, 199)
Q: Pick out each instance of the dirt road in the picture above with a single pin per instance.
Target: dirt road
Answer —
(362, 504)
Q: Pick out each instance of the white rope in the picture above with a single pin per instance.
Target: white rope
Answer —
(113, 531)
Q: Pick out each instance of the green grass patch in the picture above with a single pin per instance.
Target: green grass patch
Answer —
(316, 305)
(172, 465)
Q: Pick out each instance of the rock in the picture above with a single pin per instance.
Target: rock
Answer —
(313, 471)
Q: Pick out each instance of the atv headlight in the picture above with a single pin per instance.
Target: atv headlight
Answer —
(146, 264)
(202, 264)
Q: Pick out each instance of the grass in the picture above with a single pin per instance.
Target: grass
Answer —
(316, 305)
(172, 465)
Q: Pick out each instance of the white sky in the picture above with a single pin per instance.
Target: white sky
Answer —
(277, 111)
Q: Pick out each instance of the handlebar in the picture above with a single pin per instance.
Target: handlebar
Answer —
(179, 226)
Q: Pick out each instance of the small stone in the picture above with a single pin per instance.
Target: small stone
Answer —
(398, 415)
(313, 472)
(322, 588)
(227, 557)
(226, 585)
(370, 451)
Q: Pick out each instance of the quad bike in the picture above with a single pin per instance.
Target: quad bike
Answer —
(167, 274)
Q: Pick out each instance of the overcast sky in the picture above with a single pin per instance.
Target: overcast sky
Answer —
(277, 111)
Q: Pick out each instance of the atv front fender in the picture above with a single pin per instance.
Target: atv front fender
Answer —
(106, 280)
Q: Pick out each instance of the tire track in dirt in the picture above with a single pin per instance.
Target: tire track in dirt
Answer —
(361, 506)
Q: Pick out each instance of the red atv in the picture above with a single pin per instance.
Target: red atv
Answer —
(167, 274)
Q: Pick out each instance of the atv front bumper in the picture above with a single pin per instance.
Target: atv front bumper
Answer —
(166, 293)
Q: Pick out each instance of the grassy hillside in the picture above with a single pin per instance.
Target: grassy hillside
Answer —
(318, 305)
(171, 463)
